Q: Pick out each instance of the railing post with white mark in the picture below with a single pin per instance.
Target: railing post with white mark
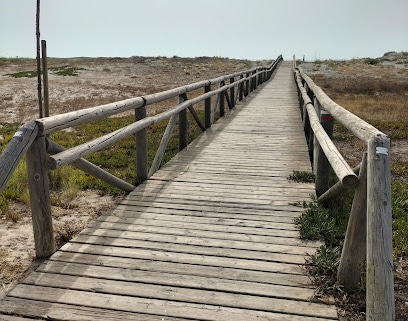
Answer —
(380, 285)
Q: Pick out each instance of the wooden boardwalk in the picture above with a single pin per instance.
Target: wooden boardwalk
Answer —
(209, 237)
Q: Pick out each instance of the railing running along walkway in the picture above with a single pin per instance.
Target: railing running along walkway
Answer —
(32, 140)
(369, 232)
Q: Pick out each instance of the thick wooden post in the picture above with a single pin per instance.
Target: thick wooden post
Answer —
(354, 251)
(247, 84)
(222, 101)
(182, 124)
(141, 148)
(321, 165)
(207, 107)
(232, 93)
(39, 187)
(254, 80)
(241, 89)
(380, 281)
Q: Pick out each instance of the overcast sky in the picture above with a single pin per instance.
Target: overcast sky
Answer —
(252, 29)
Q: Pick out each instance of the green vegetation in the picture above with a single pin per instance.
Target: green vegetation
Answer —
(119, 160)
(60, 71)
(66, 70)
(24, 74)
(302, 177)
(372, 61)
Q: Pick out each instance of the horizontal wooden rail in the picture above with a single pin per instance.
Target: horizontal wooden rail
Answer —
(97, 144)
(67, 120)
(15, 151)
(355, 124)
(31, 138)
(369, 231)
(342, 169)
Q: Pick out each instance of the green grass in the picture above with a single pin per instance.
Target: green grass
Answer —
(119, 160)
(302, 177)
(60, 71)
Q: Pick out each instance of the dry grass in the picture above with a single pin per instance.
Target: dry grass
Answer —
(377, 93)
(388, 107)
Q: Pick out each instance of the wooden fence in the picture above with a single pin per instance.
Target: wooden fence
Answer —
(43, 154)
(369, 232)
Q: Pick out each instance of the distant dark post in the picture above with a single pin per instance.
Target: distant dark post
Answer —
(222, 100)
(141, 147)
(207, 107)
(182, 124)
(45, 78)
(232, 92)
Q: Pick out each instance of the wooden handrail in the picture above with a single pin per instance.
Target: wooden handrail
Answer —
(15, 151)
(371, 211)
(67, 120)
(31, 139)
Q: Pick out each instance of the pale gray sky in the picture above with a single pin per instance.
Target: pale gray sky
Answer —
(252, 29)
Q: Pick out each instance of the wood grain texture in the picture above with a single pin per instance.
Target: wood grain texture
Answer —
(209, 236)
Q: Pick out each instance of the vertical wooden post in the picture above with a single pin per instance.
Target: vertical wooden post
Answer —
(182, 124)
(141, 148)
(380, 281)
(222, 101)
(254, 80)
(247, 82)
(321, 165)
(354, 250)
(45, 78)
(207, 107)
(39, 91)
(39, 188)
(241, 89)
(232, 93)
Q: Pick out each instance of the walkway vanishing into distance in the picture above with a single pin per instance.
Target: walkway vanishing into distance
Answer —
(210, 236)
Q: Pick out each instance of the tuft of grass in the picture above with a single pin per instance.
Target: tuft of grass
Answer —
(66, 70)
(24, 74)
(399, 190)
(372, 61)
(60, 71)
(302, 177)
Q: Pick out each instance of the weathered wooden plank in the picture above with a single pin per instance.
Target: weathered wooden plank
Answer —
(207, 220)
(193, 229)
(238, 263)
(131, 222)
(206, 211)
(232, 249)
(213, 310)
(40, 310)
(226, 273)
(167, 279)
(237, 241)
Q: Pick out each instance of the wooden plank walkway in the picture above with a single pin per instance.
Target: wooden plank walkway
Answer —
(209, 237)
